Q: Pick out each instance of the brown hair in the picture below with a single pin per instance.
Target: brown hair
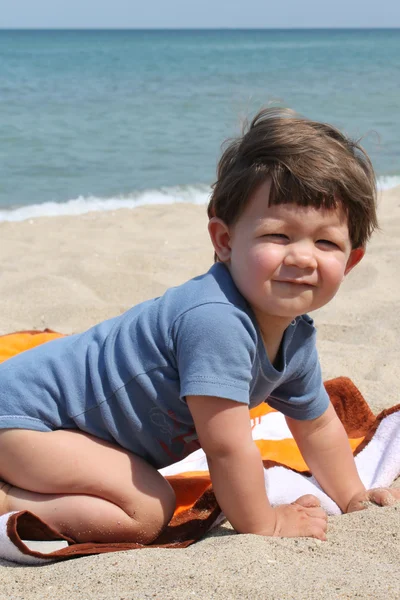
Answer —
(309, 163)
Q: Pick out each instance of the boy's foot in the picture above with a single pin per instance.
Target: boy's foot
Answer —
(4, 489)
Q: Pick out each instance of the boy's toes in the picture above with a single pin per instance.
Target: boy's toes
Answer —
(308, 501)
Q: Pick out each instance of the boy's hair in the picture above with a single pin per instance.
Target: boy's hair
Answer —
(308, 163)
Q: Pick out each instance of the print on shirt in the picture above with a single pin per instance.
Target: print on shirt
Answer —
(179, 439)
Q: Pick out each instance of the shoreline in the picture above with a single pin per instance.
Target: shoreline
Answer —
(196, 194)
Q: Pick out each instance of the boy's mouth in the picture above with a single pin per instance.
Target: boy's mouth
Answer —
(300, 282)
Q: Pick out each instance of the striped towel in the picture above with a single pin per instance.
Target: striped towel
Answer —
(375, 441)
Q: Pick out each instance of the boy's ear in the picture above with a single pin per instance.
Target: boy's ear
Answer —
(220, 237)
(355, 256)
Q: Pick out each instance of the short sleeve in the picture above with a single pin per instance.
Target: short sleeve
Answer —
(215, 345)
(302, 397)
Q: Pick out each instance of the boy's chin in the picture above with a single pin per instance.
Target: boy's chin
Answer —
(287, 309)
(291, 312)
(290, 308)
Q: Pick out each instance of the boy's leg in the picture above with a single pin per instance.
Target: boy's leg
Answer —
(83, 486)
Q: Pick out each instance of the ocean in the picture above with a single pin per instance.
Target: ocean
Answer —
(96, 120)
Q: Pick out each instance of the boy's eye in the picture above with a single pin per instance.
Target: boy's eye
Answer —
(276, 237)
(327, 243)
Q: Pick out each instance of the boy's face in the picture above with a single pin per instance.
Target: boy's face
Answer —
(286, 260)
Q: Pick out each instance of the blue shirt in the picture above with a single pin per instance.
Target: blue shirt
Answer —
(126, 379)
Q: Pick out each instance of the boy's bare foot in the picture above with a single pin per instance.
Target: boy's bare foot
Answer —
(4, 489)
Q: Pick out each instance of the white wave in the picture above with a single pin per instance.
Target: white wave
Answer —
(197, 194)
(388, 182)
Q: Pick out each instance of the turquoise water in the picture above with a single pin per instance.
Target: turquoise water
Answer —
(99, 119)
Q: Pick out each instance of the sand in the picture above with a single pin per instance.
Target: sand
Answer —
(68, 273)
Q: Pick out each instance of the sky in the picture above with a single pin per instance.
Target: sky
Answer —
(198, 13)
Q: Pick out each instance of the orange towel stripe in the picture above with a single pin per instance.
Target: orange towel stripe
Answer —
(188, 487)
(287, 453)
(14, 343)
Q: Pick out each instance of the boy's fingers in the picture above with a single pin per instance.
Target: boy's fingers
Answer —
(379, 496)
(382, 496)
(319, 534)
(318, 529)
(299, 521)
(357, 504)
(318, 513)
(396, 493)
(308, 501)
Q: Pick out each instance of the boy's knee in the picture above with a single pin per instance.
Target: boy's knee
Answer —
(152, 517)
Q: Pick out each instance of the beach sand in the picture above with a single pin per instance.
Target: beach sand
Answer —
(69, 273)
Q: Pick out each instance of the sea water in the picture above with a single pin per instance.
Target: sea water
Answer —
(94, 120)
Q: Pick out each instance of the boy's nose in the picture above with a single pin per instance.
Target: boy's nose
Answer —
(300, 255)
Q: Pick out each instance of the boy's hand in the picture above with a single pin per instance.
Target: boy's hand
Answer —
(378, 496)
(325, 447)
(302, 518)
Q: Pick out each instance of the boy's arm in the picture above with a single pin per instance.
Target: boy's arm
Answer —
(325, 447)
(236, 469)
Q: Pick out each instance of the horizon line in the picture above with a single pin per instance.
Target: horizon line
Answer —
(290, 28)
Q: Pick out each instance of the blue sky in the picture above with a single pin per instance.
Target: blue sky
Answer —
(198, 13)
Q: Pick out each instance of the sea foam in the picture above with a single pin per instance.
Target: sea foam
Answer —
(194, 194)
(197, 194)
(388, 182)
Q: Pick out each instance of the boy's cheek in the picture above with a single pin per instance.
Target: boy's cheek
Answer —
(335, 268)
(267, 262)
